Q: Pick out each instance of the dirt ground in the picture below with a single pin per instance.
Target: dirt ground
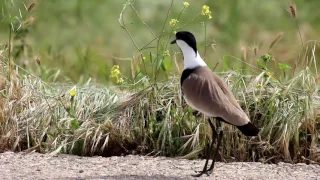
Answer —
(44, 166)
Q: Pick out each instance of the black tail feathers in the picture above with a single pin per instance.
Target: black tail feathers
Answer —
(249, 129)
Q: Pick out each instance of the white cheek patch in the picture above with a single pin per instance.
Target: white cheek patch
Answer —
(182, 44)
(191, 59)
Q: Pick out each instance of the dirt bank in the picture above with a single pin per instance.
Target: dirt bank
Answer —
(42, 166)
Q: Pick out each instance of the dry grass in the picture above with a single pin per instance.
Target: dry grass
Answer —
(97, 120)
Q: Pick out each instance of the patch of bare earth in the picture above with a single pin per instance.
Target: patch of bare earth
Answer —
(44, 166)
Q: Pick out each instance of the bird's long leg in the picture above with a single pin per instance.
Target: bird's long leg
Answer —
(220, 134)
(214, 136)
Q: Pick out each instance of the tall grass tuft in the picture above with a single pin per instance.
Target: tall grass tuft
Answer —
(46, 118)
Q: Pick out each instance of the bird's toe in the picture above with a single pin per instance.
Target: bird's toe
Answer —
(209, 172)
(198, 173)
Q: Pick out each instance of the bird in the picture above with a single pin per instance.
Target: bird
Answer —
(205, 92)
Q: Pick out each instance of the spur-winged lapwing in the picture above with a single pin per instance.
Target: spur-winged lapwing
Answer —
(204, 91)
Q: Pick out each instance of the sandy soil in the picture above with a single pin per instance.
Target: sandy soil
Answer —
(44, 166)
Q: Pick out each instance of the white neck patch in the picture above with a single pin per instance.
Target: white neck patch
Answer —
(191, 59)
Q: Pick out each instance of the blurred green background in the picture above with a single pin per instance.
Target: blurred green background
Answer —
(84, 39)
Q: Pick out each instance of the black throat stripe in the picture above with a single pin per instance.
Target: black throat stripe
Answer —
(185, 74)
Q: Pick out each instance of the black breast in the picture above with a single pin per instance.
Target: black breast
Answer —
(185, 74)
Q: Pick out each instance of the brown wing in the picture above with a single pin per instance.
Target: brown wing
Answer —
(226, 91)
(207, 93)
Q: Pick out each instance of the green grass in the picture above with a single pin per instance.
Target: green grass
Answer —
(83, 39)
(146, 114)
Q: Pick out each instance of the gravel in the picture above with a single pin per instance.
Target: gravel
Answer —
(44, 166)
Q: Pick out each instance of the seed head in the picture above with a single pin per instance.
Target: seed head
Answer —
(293, 10)
(38, 61)
(31, 6)
(29, 21)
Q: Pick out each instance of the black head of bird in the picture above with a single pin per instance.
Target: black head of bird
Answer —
(185, 38)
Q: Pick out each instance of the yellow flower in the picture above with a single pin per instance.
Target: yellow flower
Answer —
(72, 92)
(166, 53)
(270, 74)
(173, 22)
(186, 4)
(120, 80)
(206, 11)
(115, 73)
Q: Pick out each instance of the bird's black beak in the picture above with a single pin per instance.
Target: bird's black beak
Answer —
(174, 42)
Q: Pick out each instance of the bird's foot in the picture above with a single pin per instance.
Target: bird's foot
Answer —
(200, 173)
(209, 172)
